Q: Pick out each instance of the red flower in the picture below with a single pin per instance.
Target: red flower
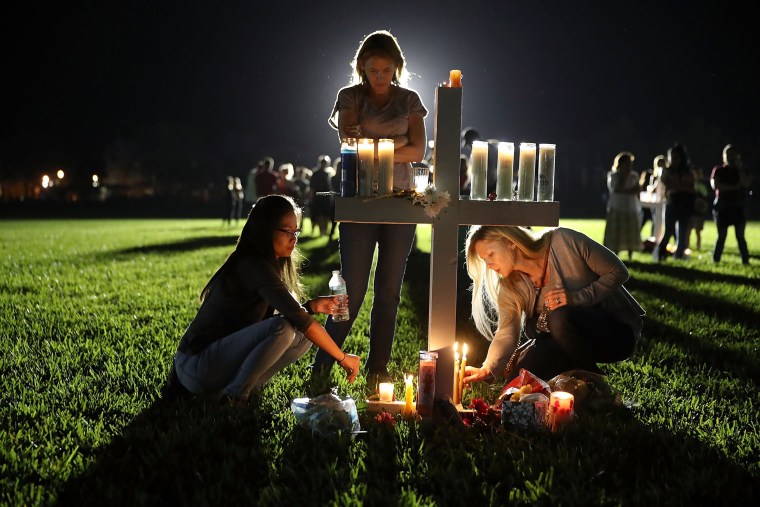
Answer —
(386, 418)
(480, 406)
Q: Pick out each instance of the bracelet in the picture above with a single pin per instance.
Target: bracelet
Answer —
(340, 363)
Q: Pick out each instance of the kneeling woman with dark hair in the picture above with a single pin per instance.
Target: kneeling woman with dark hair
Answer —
(251, 323)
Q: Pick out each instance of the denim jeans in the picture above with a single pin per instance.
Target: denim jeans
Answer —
(677, 220)
(357, 248)
(726, 216)
(242, 361)
(579, 338)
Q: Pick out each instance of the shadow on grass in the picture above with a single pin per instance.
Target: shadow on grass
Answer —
(684, 272)
(703, 353)
(693, 301)
(177, 455)
(178, 246)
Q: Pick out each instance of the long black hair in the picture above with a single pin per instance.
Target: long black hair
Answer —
(256, 240)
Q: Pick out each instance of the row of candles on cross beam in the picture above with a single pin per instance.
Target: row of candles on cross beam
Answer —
(362, 176)
(529, 187)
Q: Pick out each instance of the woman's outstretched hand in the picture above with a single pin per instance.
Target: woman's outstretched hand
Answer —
(474, 374)
(351, 363)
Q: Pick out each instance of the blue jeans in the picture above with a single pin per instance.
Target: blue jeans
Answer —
(357, 248)
(677, 220)
(726, 216)
(242, 361)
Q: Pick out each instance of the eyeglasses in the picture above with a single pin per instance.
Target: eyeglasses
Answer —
(295, 232)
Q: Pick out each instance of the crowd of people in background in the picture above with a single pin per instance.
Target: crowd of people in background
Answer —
(312, 189)
(677, 197)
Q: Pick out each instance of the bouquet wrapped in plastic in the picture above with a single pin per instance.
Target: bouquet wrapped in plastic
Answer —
(327, 414)
(589, 389)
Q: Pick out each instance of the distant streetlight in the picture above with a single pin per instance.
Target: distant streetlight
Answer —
(95, 180)
(45, 181)
(60, 174)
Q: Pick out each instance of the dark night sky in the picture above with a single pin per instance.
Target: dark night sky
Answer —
(245, 80)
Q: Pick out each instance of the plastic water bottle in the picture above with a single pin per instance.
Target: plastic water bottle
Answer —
(338, 288)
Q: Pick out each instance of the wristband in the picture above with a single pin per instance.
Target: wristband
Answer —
(340, 363)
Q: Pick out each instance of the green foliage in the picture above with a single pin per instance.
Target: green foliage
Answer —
(90, 315)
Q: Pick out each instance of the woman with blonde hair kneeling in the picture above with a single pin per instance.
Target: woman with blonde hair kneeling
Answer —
(560, 288)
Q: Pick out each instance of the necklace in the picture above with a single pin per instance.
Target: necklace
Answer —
(538, 286)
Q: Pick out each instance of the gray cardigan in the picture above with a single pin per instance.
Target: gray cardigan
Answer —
(592, 275)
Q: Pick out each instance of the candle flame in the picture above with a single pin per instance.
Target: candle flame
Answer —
(456, 356)
(456, 346)
(464, 351)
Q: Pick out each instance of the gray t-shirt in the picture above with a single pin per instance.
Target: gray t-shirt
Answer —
(389, 121)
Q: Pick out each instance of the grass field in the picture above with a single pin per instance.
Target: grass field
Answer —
(90, 315)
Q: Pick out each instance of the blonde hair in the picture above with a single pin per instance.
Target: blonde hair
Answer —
(379, 43)
(488, 287)
(621, 157)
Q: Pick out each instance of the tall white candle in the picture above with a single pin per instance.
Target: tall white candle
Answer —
(479, 169)
(505, 171)
(385, 167)
(366, 154)
(526, 173)
(545, 186)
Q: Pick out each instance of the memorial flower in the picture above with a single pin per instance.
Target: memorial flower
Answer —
(432, 200)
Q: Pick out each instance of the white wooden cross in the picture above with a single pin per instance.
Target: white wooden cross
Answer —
(445, 228)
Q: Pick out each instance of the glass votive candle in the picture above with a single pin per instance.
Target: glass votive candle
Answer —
(386, 391)
(421, 177)
(561, 409)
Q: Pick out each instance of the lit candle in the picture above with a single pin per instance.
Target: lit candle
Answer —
(479, 169)
(366, 154)
(545, 186)
(504, 171)
(462, 366)
(455, 78)
(526, 172)
(408, 396)
(385, 167)
(560, 409)
(386, 391)
(455, 396)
